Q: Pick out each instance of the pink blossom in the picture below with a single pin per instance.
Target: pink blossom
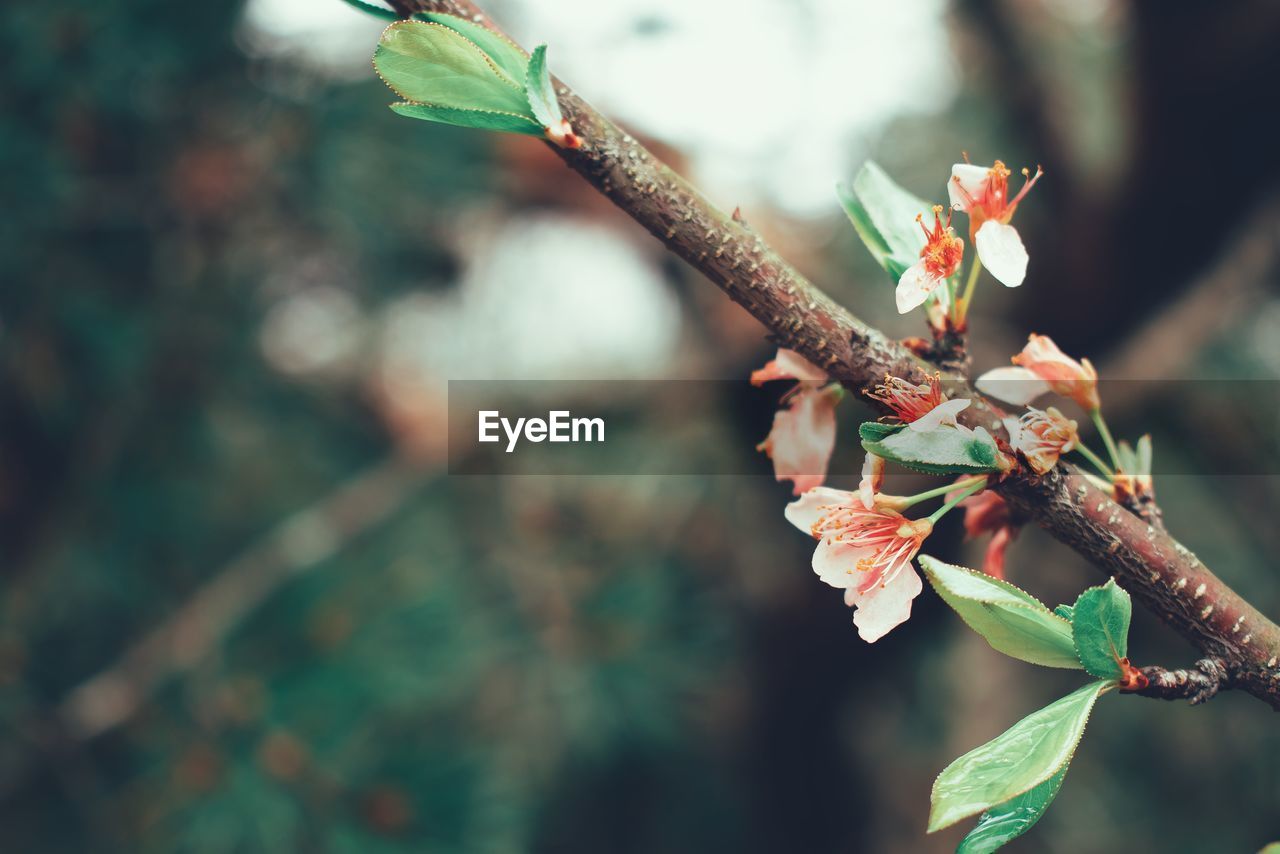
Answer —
(788, 365)
(939, 259)
(922, 407)
(1041, 437)
(983, 194)
(1042, 367)
(804, 433)
(866, 552)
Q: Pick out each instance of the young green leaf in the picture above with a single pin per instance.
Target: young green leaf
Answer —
(505, 53)
(892, 211)
(875, 431)
(1011, 620)
(1126, 458)
(479, 119)
(1100, 628)
(871, 236)
(542, 95)
(1064, 611)
(1143, 454)
(1024, 756)
(1005, 822)
(944, 450)
(428, 63)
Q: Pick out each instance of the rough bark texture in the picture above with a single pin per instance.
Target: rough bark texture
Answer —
(1158, 570)
(1196, 684)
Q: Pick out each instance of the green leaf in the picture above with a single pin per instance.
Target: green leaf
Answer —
(1011, 620)
(871, 236)
(1024, 756)
(944, 450)
(372, 9)
(481, 119)
(1007, 821)
(874, 431)
(428, 63)
(1143, 454)
(890, 212)
(1125, 457)
(1063, 611)
(542, 95)
(1100, 627)
(505, 53)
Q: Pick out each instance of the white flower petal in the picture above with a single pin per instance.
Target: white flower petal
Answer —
(882, 608)
(872, 480)
(802, 439)
(808, 509)
(836, 563)
(1013, 427)
(943, 413)
(971, 178)
(788, 365)
(914, 287)
(1018, 386)
(798, 367)
(1001, 252)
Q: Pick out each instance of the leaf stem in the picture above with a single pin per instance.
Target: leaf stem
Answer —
(1095, 459)
(909, 500)
(965, 493)
(1101, 424)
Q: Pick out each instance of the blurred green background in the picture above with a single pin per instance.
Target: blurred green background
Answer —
(244, 608)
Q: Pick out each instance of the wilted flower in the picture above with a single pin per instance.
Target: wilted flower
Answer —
(1041, 437)
(1043, 367)
(988, 513)
(788, 365)
(920, 407)
(804, 433)
(984, 195)
(939, 259)
(866, 552)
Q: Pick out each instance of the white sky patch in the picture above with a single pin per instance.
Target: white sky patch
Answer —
(771, 99)
(328, 35)
(548, 297)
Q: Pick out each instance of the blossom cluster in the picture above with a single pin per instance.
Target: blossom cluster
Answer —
(866, 544)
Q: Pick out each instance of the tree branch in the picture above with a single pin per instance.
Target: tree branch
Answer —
(1196, 684)
(1158, 570)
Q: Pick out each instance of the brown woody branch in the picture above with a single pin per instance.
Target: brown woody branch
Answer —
(1146, 561)
(1195, 684)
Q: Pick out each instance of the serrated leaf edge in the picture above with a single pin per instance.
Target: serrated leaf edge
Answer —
(998, 582)
(1061, 774)
(1074, 645)
(498, 72)
(408, 103)
(921, 466)
(1102, 686)
(431, 18)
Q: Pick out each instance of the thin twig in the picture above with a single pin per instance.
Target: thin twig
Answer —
(298, 544)
(1195, 684)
